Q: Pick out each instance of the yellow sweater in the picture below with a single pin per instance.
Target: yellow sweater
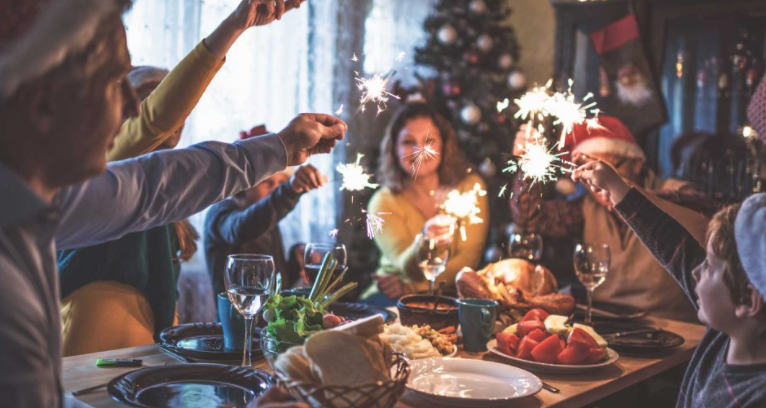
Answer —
(108, 315)
(168, 106)
(397, 240)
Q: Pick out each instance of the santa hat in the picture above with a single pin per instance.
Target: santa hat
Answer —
(603, 135)
(145, 74)
(37, 36)
(750, 233)
(260, 130)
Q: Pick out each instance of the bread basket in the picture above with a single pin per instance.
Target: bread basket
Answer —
(377, 395)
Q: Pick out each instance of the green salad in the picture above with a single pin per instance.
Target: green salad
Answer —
(292, 319)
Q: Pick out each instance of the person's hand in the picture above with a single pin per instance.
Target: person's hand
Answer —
(311, 133)
(602, 178)
(307, 178)
(393, 287)
(276, 397)
(252, 13)
(524, 135)
(439, 228)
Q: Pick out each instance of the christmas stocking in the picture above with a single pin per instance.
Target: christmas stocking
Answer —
(627, 89)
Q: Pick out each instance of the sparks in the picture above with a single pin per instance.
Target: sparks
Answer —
(464, 207)
(567, 111)
(421, 154)
(339, 111)
(400, 56)
(374, 224)
(374, 90)
(502, 190)
(534, 103)
(538, 163)
(354, 58)
(333, 233)
(354, 177)
(501, 106)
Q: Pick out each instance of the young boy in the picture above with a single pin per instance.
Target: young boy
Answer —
(725, 282)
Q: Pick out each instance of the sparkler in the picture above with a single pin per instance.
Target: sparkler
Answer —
(354, 58)
(421, 154)
(534, 104)
(374, 90)
(333, 233)
(400, 56)
(568, 111)
(501, 106)
(354, 176)
(538, 163)
(464, 207)
(374, 223)
(502, 190)
(339, 111)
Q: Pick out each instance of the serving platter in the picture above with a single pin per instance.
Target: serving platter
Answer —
(189, 385)
(612, 357)
(474, 383)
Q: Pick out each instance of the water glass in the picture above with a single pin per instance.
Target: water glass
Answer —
(591, 263)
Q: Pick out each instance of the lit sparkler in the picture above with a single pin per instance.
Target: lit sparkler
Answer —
(354, 58)
(501, 106)
(568, 111)
(354, 176)
(538, 163)
(333, 233)
(502, 190)
(464, 207)
(374, 223)
(374, 90)
(400, 56)
(534, 104)
(339, 111)
(421, 154)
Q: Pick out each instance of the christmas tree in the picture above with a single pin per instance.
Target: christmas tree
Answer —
(474, 53)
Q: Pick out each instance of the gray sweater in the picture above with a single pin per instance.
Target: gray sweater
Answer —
(709, 381)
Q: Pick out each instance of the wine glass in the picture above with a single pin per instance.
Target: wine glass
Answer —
(432, 256)
(249, 280)
(314, 254)
(528, 246)
(591, 264)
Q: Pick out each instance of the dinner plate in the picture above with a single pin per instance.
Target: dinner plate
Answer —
(204, 342)
(475, 383)
(610, 312)
(640, 343)
(189, 385)
(554, 368)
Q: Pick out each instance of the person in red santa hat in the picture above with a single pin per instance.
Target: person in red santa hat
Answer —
(635, 278)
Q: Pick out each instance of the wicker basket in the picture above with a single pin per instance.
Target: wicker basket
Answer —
(379, 395)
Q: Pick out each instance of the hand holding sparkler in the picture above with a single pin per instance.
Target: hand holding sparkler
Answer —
(311, 133)
(602, 178)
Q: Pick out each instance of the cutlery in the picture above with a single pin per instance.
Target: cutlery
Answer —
(649, 330)
(550, 388)
(87, 390)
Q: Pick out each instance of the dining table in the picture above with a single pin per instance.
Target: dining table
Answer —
(575, 390)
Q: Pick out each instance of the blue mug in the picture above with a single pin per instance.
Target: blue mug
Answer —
(232, 323)
(477, 322)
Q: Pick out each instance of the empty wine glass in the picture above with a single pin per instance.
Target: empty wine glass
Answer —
(314, 254)
(249, 280)
(591, 264)
(528, 246)
(432, 256)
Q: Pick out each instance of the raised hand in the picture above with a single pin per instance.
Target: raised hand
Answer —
(602, 178)
(252, 13)
(307, 178)
(311, 133)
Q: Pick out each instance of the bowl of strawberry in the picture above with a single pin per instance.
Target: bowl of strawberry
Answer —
(547, 343)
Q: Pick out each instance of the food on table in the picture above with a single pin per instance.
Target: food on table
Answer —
(419, 342)
(513, 283)
(548, 339)
(430, 305)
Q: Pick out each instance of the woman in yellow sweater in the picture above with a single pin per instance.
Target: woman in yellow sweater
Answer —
(413, 201)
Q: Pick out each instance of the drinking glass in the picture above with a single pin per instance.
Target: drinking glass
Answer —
(432, 256)
(528, 246)
(314, 255)
(249, 280)
(591, 264)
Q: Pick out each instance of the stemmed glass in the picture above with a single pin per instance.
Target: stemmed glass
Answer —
(528, 246)
(249, 280)
(314, 254)
(432, 256)
(591, 264)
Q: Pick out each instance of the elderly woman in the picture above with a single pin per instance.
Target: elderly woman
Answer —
(412, 202)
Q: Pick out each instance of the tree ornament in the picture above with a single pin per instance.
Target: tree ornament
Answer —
(477, 7)
(517, 80)
(470, 114)
(484, 42)
(505, 61)
(487, 168)
(471, 57)
(447, 34)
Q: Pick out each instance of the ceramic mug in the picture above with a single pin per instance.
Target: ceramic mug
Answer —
(477, 322)
(232, 324)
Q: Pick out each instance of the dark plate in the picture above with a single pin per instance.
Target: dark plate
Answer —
(609, 312)
(204, 342)
(640, 343)
(351, 311)
(189, 385)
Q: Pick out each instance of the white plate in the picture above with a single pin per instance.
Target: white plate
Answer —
(554, 368)
(458, 381)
